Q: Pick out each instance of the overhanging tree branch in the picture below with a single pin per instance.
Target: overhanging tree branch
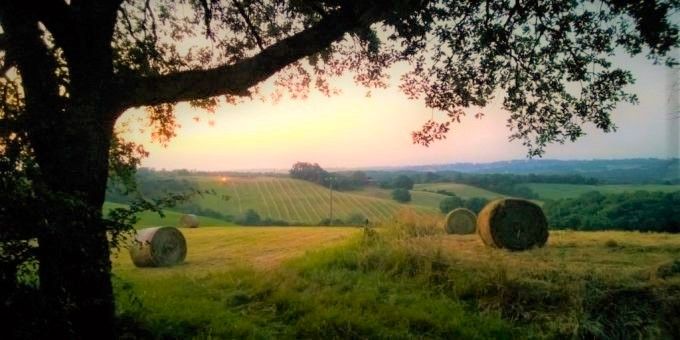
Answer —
(237, 78)
(27, 50)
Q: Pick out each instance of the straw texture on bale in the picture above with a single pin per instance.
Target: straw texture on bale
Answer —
(189, 221)
(460, 221)
(158, 247)
(513, 224)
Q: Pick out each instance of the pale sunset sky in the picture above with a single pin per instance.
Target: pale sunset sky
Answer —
(351, 130)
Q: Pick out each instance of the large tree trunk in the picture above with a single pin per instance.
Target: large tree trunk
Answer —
(74, 252)
(75, 280)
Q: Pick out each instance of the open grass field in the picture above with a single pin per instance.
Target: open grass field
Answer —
(218, 249)
(557, 191)
(171, 218)
(346, 283)
(462, 190)
(289, 199)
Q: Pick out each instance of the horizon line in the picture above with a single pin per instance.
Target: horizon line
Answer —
(386, 167)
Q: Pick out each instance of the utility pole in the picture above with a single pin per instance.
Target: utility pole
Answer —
(331, 204)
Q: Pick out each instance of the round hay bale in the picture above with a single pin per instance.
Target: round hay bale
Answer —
(513, 224)
(668, 269)
(460, 221)
(158, 247)
(189, 221)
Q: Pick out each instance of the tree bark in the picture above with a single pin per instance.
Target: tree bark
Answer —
(75, 281)
(71, 139)
(73, 247)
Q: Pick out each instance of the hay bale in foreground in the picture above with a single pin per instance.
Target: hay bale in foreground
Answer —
(460, 221)
(189, 221)
(513, 224)
(158, 247)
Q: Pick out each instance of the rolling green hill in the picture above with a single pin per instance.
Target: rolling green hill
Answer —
(297, 201)
(419, 199)
(557, 191)
(462, 190)
(290, 199)
(150, 219)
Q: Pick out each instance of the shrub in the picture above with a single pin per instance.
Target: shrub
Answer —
(401, 195)
(270, 221)
(450, 203)
(327, 221)
(356, 219)
(249, 217)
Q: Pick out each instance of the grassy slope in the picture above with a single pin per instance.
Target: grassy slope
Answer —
(290, 199)
(462, 190)
(419, 199)
(581, 284)
(149, 219)
(557, 191)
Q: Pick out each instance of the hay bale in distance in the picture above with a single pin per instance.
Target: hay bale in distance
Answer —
(460, 221)
(158, 247)
(668, 269)
(513, 224)
(189, 221)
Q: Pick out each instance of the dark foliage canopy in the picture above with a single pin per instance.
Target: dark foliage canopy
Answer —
(70, 69)
(640, 210)
(449, 203)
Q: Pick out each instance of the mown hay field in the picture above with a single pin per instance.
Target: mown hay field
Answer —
(461, 190)
(344, 282)
(213, 249)
(291, 200)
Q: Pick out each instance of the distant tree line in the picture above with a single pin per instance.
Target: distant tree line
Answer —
(398, 182)
(506, 184)
(193, 208)
(314, 173)
(252, 218)
(510, 185)
(640, 210)
(150, 186)
(610, 171)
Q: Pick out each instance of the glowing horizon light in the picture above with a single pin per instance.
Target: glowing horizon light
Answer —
(351, 130)
(223, 179)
